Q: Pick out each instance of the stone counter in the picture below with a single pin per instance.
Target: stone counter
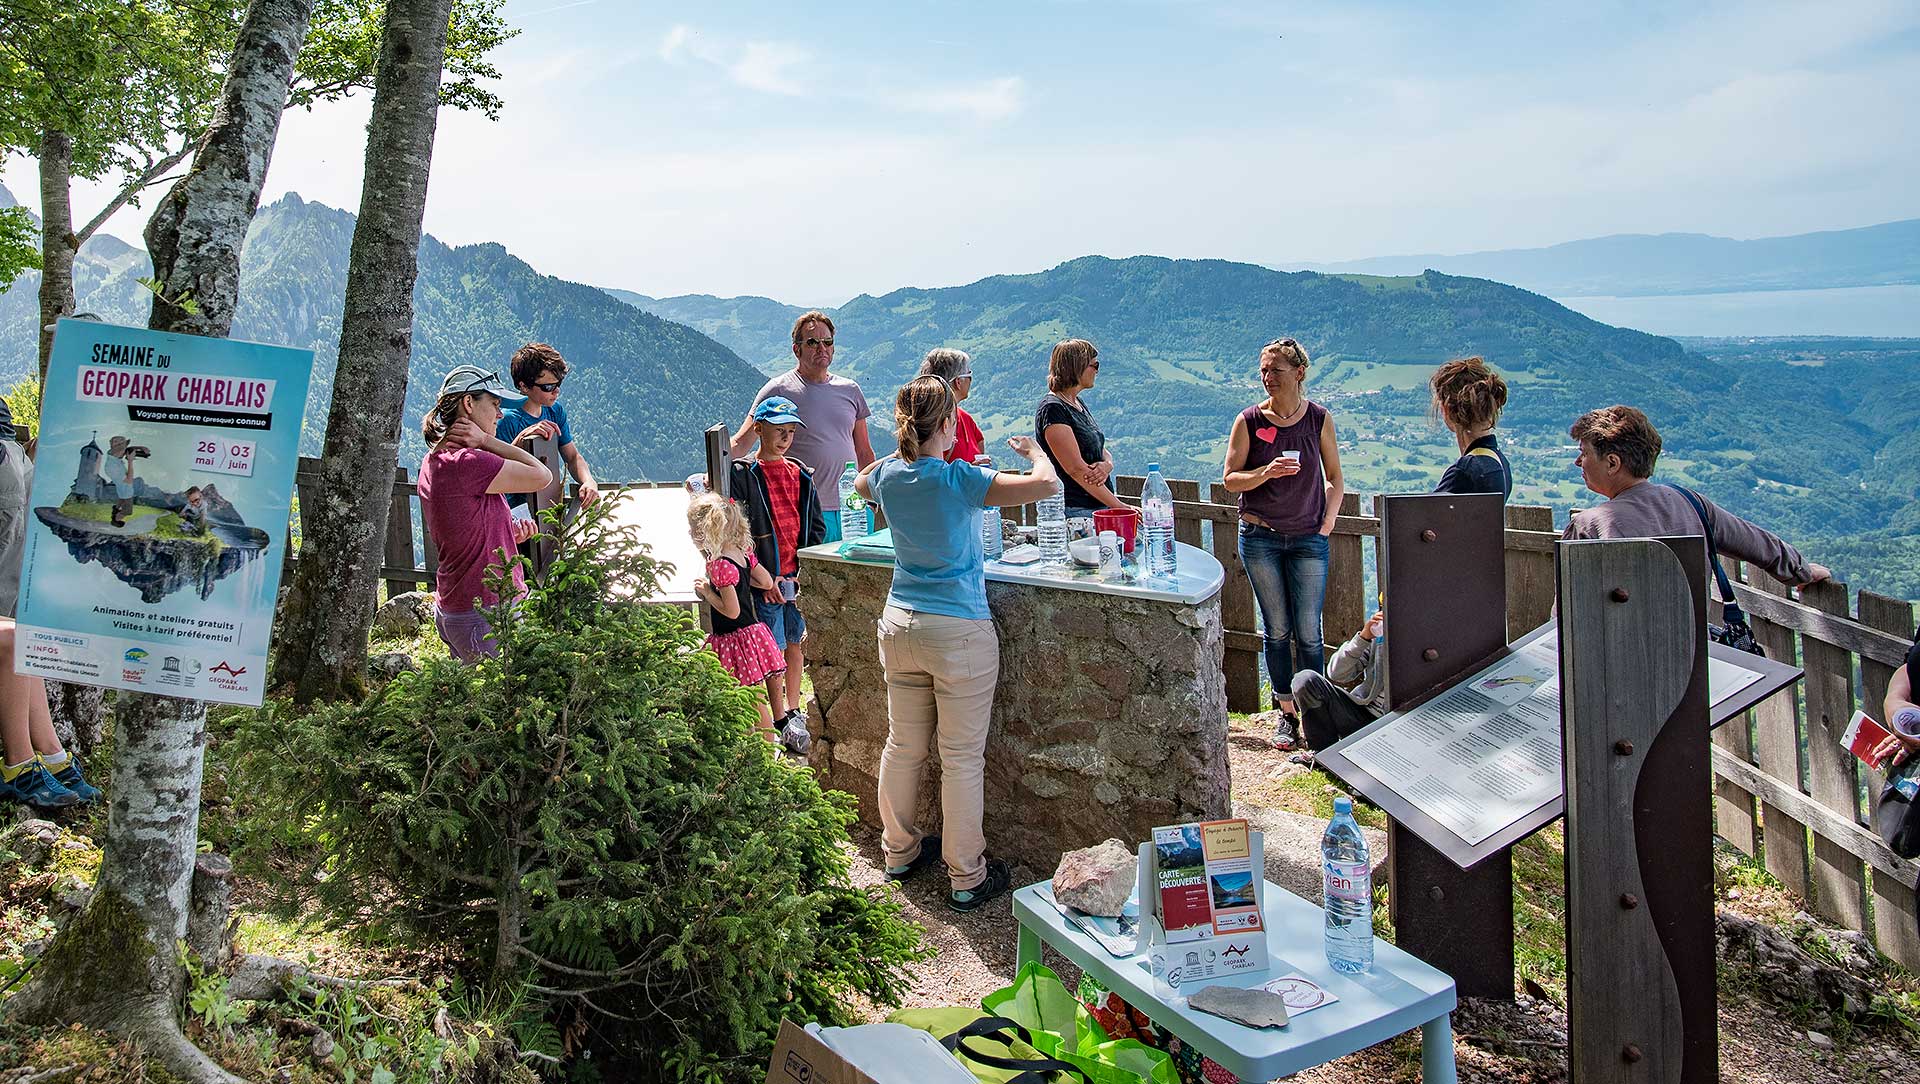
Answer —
(1110, 717)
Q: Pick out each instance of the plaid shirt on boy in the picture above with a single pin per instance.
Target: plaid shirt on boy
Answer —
(783, 494)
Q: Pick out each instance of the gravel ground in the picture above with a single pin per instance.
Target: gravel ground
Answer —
(1519, 1042)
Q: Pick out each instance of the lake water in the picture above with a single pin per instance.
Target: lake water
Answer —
(1861, 310)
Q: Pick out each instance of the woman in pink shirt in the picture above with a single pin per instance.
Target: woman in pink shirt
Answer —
(462, 479)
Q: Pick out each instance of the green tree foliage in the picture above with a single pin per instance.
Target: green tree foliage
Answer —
(19, 244)
(595, 810)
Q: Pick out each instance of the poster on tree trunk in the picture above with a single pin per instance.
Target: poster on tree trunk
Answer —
(158, 516)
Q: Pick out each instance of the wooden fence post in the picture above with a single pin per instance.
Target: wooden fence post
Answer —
(1529, 574)
(1839, 877)
(1735, 817)
(1639, 845)
(399, 532)
(1237, 612)
(1346, 606)
(1777, 744)
(719, 476)
(1896, 918)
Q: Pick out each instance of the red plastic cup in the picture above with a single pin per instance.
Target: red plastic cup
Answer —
(1124, 522)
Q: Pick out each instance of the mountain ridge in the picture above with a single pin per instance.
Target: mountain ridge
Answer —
(635, 378)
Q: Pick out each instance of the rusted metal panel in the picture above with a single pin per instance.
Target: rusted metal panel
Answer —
(1442, 571)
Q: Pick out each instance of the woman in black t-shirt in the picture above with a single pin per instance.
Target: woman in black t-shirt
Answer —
(1468, 397)
(1066, 431)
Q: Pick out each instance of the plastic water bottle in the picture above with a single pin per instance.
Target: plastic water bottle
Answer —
(1156, 501)
(853, 507)
(992, 541)
(1052, 520)
(1160, 966)
(1349, 892)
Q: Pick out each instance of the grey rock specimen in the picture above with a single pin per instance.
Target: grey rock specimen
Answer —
(403, 615)
(391, 664)
(1254, 1008)
(1097, 879)
(32, 840)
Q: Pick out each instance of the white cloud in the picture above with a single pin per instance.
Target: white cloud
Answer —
(765, 66)
(994, 99)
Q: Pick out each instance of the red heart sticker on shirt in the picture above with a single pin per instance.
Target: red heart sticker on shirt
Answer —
(1266, 433)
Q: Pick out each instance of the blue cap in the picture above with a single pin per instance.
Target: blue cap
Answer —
(777, 410)
(1153, 468)
(1343, 804)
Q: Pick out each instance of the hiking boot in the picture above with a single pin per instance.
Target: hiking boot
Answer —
(37, 787)
(929, 854)
(794, 734)
(972, 899)
(1286, 732)
(70, 778)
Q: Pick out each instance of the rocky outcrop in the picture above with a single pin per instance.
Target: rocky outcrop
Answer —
(156, 566)
(1110, 719)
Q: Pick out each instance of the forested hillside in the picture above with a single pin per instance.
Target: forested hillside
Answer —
(1812, 445)
(641, 390)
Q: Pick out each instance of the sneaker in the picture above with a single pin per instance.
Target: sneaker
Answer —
(794, 734)
(1286, 732)
(929, 854)
(37, 787)
(69, 777)
(999, 878)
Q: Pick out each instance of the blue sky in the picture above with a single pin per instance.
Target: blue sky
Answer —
(811, 152)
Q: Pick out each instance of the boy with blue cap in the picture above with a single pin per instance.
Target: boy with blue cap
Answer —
(783, 508)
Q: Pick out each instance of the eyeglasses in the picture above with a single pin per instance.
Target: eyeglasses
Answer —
(548, 388)
(964, 376)
(824, 344)
(1094, 364)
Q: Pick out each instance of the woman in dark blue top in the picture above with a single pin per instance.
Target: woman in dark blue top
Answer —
(1468, 397)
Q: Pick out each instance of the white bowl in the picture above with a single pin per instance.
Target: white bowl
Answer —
(1086, 551)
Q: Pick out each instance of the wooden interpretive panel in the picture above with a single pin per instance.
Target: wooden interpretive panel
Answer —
(1639, 842)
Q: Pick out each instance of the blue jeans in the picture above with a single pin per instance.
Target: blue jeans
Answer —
(1289, 577)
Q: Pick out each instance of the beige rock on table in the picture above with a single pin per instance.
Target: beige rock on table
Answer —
(1096, 879)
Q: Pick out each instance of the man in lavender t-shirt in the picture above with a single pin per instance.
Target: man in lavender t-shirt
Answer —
(833, 413)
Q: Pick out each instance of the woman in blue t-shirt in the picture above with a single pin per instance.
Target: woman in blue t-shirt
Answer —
(937, 644)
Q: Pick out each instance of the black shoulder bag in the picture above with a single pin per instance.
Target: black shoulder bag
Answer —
(1735, 633)
(1000, 1030)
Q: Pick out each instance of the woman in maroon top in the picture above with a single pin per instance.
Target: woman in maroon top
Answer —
(1284, 463)
(462, 479)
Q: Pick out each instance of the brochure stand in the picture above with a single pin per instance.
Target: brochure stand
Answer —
(1214, 955)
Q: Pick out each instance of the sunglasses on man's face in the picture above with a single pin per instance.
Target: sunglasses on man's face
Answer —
(548, 388)
(824, 344)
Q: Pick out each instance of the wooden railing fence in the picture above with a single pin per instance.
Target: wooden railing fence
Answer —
(1785, 790)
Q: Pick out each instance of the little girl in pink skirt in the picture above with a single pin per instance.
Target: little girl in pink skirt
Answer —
(745, 646)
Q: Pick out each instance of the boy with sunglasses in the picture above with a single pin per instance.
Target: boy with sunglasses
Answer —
(538, 370)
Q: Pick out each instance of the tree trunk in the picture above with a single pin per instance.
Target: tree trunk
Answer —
(79, 716)
(336, 582)
(58, 245)
(117, 964)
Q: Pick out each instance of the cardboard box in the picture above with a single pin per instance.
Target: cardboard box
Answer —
(799, 1058)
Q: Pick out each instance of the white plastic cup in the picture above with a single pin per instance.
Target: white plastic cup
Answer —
(1295, 456)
